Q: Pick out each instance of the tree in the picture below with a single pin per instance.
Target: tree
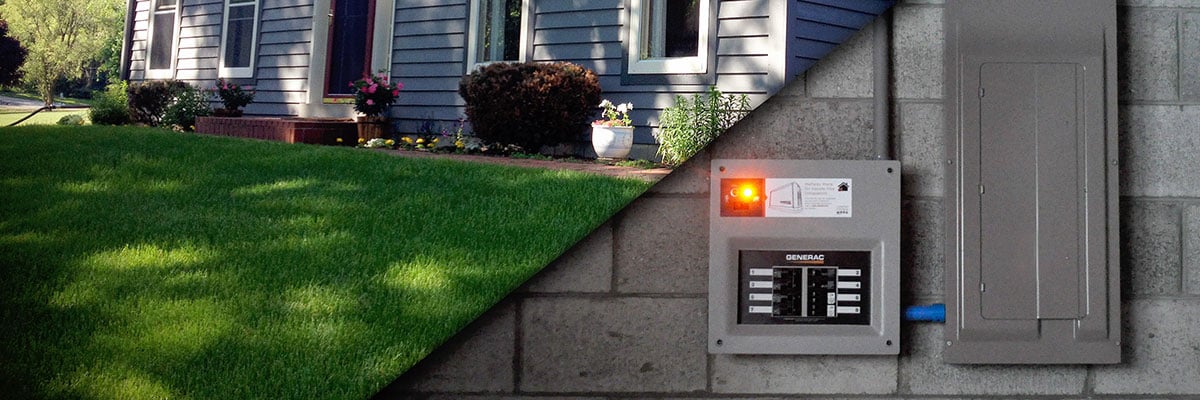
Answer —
(62, 36)
(14, 56)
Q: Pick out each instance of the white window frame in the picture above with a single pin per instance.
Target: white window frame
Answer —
(639, 21)
(476, 27)
(168, 72)
(239, 72)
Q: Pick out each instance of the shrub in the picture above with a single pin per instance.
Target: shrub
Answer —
(149, 99)
(530, 104)
(232, 95)
(71, 119)
(689, 125)
(111, 106)
(189, 103)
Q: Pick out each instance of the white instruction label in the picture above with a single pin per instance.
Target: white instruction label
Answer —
(809, 198)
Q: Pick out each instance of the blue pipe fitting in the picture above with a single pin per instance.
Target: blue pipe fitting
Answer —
(928, 313)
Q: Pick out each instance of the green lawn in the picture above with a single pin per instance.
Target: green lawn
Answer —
(144, 264)
(42, 118)
(64, 100)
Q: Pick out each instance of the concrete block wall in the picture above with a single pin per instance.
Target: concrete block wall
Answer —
(623, 314)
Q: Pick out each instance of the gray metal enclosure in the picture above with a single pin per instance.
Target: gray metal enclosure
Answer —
(1032, 246)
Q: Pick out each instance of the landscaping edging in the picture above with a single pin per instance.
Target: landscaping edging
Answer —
(289, 129)
(646, 174)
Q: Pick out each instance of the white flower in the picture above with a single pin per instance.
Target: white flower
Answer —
(623, 108)
(628, 107)
(606, 103)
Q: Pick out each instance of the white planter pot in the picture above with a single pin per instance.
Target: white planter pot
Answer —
(612, 141)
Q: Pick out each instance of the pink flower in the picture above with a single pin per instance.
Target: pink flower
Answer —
(351, 84)
(370, 102)
(396, 93)
(399, 86)
(371, 89)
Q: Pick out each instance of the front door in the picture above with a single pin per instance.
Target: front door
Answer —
(351, 25)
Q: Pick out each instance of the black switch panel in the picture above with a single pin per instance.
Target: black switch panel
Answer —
(804, 287)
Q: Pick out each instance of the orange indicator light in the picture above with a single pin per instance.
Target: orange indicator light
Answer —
(741, 197)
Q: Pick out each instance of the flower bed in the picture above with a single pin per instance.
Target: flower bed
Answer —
(290, 130)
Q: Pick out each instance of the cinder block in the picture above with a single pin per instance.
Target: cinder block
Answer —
(846, 71)
(803, 374)
(794, 87)
(1149, 61)
(1159, 3)
(917, 51)
(576, 345)
(689, 178)
(478, 359)
(662, 246)
(923, 372)
(922, 152)
(1161, 350)
(586, 267)
(1150, 248)
(797, 128)
(922, 248)
(1191, 250)
(494, 397)
(1158, 151)
(1189, 55)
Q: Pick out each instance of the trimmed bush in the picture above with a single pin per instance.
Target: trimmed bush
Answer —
(530, 104)
(189, 103)
(111, 106)
(71, 120)
(148, 100)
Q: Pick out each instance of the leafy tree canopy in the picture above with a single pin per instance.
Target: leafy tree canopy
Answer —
(62, 36)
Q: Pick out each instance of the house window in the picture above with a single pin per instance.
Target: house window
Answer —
(162, 39)
(497, 31)
(668, 36)
(238, 43)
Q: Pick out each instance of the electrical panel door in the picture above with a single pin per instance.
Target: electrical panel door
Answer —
(1032, 269)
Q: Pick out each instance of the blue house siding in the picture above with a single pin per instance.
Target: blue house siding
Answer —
(284, 45)
(429, 57)
(199, 41)
(284, 52)
(758, 46)
(816, 27)
(140, 41)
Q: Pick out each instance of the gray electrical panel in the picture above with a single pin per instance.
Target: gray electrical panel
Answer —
(1032, 272)
(804, 257)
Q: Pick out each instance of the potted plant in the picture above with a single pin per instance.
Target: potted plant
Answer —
(233, 96)
(372, 97)
(612, 136)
